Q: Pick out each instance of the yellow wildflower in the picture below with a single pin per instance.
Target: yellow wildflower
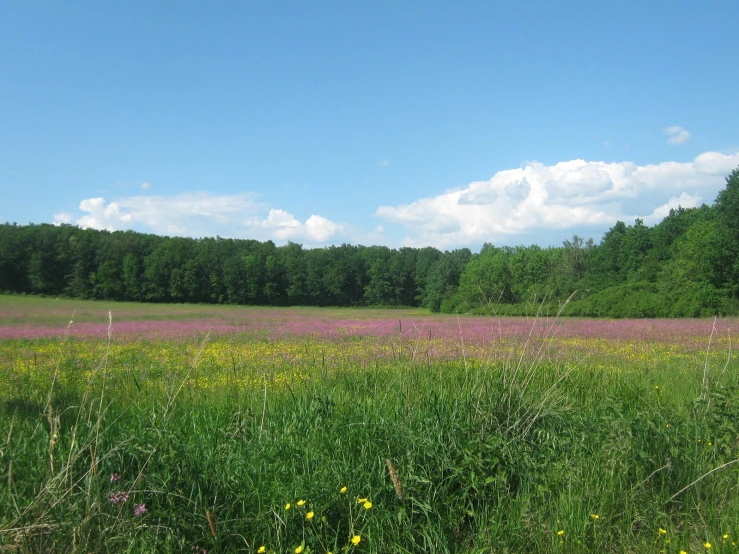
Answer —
(300, 502)
(309, 515)
(594, 516)
(361, 500)
(287, 506)
(662, 531)
(707, 545)
(343, 490)
(356, 539)
(683, 552)
(299, 549)
(367, 505)
(560, 532)
(262, 550)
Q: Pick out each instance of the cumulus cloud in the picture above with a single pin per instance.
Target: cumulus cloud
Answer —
(677, 135)
(201, 214)
(537, 199)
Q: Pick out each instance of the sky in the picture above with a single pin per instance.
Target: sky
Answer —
(446, 124)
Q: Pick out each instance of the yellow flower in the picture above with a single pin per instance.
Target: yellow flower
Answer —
(262, 550)
(300, 502)
(309, 515)
(683, 552)
(299, 549)
(725, 536)
(356, 539)
(287, 506)
(662, 531)
(367, 505)
(560, 532)
(361, 500)
(343, 490)
(594, 516)
(707, 545)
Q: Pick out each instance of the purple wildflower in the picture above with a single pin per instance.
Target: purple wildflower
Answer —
(115, 477)
(139, 509)
(118, 497)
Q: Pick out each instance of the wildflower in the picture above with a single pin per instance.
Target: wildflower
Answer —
(356, 539)
(367, 505)
(262, 550)
(343, 490)
(707, 545)
(361, 500)
(662, 531)
(139, 509)
(300, 502)
(561, 532)
(114, 477)
(594, 516)
(299, 549)
(726, 536)
(287, 506)
(683, 552)
(118, 497)
(309, 515)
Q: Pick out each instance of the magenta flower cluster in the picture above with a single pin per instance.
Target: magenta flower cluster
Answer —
(118, 497)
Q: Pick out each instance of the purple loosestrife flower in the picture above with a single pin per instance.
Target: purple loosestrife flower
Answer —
(139, 509)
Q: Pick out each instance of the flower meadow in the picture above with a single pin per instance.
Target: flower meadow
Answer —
(139, 428)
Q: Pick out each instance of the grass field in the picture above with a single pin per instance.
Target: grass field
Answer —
(160, 428)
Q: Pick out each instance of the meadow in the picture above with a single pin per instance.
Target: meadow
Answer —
(187, 428)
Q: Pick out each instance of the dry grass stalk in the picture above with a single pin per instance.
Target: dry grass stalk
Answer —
(211, 523)
(396, 480)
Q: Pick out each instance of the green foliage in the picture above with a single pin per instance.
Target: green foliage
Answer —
(490, 457)
(686, 265)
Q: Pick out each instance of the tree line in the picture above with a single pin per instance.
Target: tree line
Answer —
(685, 266)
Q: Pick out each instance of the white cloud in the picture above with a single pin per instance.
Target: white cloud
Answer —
(145, 185)
(62, 217)
(538, 200)
(677, 134)
(384, 162)
(201, 214)
(283, 225)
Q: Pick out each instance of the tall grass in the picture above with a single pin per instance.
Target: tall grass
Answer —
(520, 453)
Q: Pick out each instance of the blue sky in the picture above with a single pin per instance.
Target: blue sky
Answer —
(396, 123)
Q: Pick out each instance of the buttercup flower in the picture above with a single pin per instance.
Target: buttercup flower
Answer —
(367, 505)
(561, 532)
(662, 531)
(300, 502)
(361, 500)
(299, 549)
(262, 549)
(309, 515)
(707, 545)
(343, 490)
(594, 516)
(287, 506)
(356, 539)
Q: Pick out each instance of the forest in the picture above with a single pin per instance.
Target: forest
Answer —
(687, 265)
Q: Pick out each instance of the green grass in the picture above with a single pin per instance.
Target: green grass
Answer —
(492, 458)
